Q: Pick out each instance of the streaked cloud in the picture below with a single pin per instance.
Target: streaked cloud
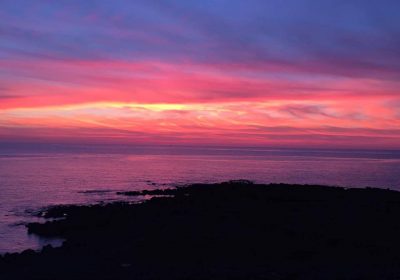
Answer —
(296, 72)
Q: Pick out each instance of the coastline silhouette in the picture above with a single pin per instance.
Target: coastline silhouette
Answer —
(230, 230)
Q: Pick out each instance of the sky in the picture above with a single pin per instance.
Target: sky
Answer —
(293, 73)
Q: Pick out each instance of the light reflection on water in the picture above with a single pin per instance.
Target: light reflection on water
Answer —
(34, 180)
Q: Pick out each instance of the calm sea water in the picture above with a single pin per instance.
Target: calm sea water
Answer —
(31, 178)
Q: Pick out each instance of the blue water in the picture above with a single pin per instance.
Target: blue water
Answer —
(32, 177)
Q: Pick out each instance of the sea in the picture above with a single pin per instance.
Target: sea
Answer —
(34, 176)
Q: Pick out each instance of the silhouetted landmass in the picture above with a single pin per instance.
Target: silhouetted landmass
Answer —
(233, 230)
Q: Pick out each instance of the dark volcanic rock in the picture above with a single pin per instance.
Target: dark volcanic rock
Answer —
(149, 192)
(234, 230)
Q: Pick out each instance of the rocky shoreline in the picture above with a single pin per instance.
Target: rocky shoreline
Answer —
(231, 230)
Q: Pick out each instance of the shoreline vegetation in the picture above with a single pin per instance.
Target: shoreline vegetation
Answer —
(230, 230)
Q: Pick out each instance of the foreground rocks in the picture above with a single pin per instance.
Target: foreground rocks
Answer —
(234, 230)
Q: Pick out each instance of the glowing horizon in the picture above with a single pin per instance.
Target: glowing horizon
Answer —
(223, 73)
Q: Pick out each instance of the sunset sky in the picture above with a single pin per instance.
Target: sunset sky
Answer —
(293, 73)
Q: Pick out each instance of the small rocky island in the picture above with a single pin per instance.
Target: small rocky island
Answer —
(231, 230)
